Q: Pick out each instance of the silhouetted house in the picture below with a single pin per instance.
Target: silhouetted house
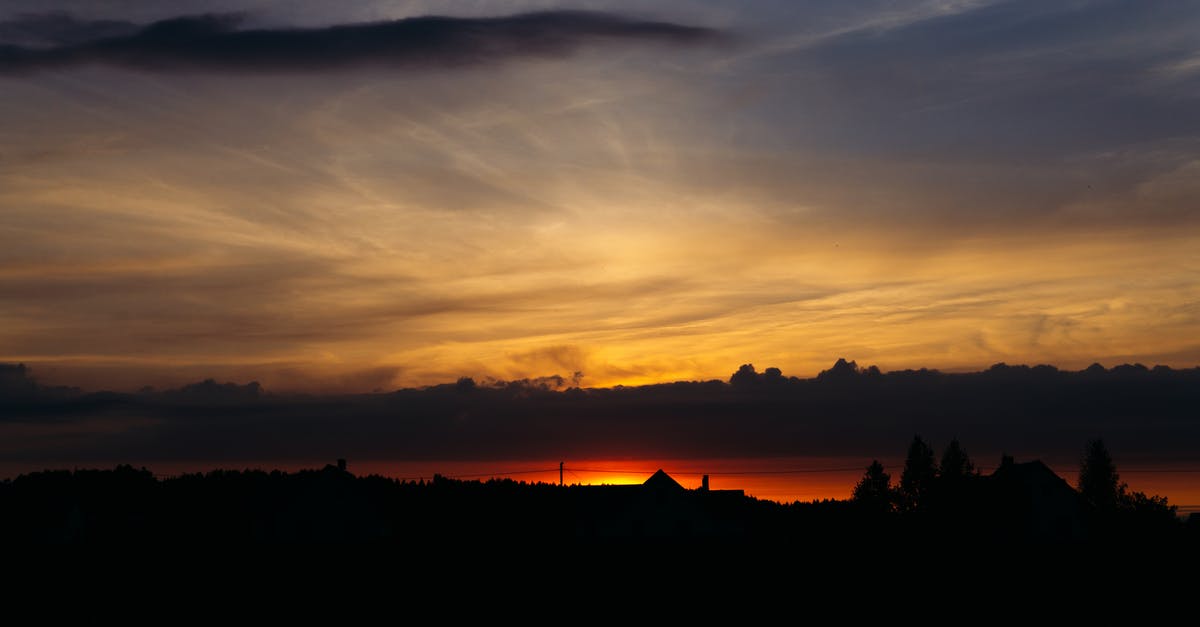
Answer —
(661, 482)
(1028, 502)
(658, 508)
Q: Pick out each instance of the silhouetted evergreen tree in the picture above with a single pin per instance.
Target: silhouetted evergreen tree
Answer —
(920, 472)
(874, 490)
(1116, 511)
(955, 494)
(956, 464)
(1099, 484)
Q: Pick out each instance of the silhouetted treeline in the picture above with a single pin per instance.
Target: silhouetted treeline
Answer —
(1023, 502)
(1148, 413)
(935, 504)
(328, 505)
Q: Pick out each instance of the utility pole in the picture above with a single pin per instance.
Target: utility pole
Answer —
(560, 481)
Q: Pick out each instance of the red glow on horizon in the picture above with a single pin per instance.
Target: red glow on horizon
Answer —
(783, 480)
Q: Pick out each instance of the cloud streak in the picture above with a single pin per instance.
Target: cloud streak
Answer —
(214, 43)
(60, 29)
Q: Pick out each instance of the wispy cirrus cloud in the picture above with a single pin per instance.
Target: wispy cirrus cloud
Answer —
(910, 183)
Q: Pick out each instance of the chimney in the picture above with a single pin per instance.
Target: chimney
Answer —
(704, 483)
(342, 465)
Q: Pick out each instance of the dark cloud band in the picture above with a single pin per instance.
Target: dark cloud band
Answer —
(214, 43)
(1145, 412)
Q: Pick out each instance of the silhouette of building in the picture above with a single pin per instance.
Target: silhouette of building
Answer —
(659, 507)
(1029, 502)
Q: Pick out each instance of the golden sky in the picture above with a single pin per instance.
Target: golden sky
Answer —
(943, 185)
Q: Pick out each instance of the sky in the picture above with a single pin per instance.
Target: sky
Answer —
(346, 197)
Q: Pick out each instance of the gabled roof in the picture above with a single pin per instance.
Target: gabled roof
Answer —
(662, 481)
(1034, 477)
(1031, 473)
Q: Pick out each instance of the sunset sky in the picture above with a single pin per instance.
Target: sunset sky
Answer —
(641, 192)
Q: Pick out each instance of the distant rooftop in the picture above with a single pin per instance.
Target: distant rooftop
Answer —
(662, 481)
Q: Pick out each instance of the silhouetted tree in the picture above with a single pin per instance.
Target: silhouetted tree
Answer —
(955, 488)
(874, 490)
(1099, 484)
(1117, 511)
(920, 472)
(1151, 509)
(956, 465)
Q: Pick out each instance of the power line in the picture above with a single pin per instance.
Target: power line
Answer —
(499, 474)
(786, 471)
(790, 471)
(1188, 470)
(627, 471)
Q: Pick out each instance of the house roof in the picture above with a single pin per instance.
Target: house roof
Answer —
(1031, 473)
(1037, 478)
(662, 481)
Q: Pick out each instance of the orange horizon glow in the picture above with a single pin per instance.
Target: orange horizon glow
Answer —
(784, 480)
